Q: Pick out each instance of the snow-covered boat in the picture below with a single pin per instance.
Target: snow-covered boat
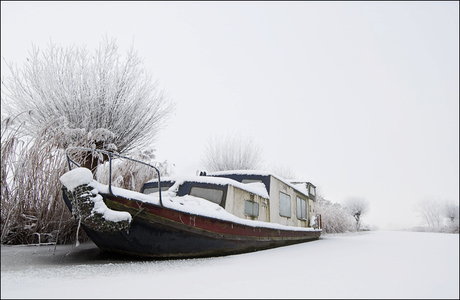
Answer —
(195, 216)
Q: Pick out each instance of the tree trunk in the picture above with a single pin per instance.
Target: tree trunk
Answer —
(91, 161)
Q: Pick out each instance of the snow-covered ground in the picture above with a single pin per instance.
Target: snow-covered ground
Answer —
(382, 264)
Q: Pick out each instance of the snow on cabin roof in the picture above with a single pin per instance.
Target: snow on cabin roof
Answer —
(301, 187)
(295, 184)
(240, 172)
(257, 188)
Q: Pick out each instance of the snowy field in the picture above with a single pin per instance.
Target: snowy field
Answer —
(382, 264)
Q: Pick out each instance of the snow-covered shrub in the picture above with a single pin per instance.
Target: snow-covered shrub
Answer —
(335, 218)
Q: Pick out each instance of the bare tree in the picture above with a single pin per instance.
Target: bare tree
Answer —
(232, 152)
(430, 210)
(357, 206)
(95, 99)
(284, 172)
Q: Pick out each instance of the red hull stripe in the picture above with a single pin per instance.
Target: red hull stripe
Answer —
(211, 224)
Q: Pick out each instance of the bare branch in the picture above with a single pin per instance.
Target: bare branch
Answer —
(232, 152)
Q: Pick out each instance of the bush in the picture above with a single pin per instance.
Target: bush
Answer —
(335, 218)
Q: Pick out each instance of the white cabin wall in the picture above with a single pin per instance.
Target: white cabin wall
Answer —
(235, 204)
(277, 186)
(229, 203)
(269, 209)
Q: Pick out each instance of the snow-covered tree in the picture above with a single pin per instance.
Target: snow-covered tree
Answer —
(96, 100)
(357, 206)
(68, 97)
(232, 152)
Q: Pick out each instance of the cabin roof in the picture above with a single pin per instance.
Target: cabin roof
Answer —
(297, 185)
(255, 188)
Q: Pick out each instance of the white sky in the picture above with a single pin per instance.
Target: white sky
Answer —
(360, 98)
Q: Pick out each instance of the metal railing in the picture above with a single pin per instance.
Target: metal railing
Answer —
(110, 156)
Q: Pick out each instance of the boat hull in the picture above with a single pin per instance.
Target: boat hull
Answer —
(159, 232)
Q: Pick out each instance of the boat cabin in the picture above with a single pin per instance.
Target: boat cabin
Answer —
(248, 195)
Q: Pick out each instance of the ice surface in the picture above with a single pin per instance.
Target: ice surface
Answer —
(366, 265)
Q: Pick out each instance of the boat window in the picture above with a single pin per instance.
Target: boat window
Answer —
(251, 208)
(285, 205)
(213, 195)
(301, 209)
(152, 190)
(250, 180)
(312, 191)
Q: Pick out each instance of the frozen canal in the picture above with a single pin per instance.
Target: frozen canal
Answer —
(382, 264)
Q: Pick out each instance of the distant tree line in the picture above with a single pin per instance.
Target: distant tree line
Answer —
(438, 215)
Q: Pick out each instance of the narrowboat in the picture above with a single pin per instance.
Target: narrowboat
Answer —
(212, 214)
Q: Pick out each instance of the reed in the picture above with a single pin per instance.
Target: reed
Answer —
(32, 209)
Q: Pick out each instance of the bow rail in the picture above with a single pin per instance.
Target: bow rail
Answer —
(110, 156)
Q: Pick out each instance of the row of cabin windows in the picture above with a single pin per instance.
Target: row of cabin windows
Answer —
(251, 208)
(285, 207)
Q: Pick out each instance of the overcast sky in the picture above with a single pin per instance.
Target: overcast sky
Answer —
(360, 98)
